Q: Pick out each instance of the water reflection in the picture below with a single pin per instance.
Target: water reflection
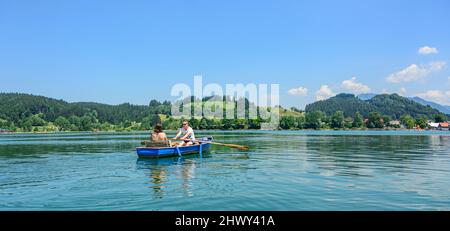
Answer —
(362, 155)
(186, 171)
(169, 174)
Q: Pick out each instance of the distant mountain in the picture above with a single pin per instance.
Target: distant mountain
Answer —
(392, 105)
(442, 108)
(366, 96)
(347, 103)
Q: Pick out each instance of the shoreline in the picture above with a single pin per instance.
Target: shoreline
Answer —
(236, 130)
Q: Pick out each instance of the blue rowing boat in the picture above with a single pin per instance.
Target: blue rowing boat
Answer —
(152, 152)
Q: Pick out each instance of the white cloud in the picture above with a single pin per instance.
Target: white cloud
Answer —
(436, 66)
(324, 92)
(298, 91)
(415, 72)
(355, 87)
(426, 50)
(402, 91)
(436, 96)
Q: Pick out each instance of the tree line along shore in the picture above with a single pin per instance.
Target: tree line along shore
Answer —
(29, 113)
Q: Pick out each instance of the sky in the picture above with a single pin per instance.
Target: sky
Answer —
(134, 51)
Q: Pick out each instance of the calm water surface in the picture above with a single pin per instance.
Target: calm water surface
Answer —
(298, 170)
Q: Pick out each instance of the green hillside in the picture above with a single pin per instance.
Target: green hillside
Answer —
(16, 107)
(396, 106)
(347, 103)
(390, 105)
(25, 112)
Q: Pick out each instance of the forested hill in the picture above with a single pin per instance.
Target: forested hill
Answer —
(347, 103)
(26, 112)
(391, 105)
(17, 107)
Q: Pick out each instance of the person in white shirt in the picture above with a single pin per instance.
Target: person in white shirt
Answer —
(187, 134)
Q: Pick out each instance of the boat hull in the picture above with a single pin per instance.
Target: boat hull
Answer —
(155, 152)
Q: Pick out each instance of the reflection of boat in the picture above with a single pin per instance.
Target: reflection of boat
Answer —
(144, 152)
(161, 170)
(150, 163)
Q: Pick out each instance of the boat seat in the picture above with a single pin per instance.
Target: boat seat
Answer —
(151, 144)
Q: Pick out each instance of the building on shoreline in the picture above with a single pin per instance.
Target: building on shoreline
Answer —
(433, 125)
(443, 126)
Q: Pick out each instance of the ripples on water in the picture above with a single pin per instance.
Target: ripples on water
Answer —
(298, 170)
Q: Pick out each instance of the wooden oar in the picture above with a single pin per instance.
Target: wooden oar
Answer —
(240, 147)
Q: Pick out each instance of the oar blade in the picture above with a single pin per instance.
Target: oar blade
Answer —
(240, 147)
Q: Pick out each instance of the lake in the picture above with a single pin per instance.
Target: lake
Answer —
(284, 170)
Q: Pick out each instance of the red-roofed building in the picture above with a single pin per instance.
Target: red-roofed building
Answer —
(443, 126)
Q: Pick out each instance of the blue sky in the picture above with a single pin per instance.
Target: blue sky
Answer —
(133, 51)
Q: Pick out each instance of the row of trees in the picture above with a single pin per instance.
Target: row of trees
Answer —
(87, 122)
(90, 122)
(309, 120)
(25, 113)
(318, 120)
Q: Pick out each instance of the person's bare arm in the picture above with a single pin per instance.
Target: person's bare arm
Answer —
(178, 135)
(186, 136)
